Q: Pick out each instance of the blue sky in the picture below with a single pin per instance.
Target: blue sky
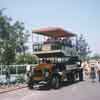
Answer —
(78, 16)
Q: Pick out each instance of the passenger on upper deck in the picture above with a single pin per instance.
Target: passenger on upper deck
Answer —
(67, 42)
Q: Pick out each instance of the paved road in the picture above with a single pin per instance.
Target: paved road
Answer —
(78, 91)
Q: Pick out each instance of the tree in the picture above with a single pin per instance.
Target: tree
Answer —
(5, 31)
(82, 47)
(21, 37)
(8, 55)
(27, 59)
(12, 36)
(96, 56)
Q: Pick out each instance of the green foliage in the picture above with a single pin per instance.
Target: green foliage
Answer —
(8, 54)
(12, 37)
(96, 56)
(82, 47)
(26, 59)
(21, 37)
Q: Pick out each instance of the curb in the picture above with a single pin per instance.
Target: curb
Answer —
(12, 89)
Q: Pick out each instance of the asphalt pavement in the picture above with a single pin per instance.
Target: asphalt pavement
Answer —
(85, 90)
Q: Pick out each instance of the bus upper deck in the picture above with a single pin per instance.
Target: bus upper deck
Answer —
(57, 38)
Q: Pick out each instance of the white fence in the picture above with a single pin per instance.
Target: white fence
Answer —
(17, 73)
(14, 69)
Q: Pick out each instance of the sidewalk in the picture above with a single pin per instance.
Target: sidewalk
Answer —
(9, 88)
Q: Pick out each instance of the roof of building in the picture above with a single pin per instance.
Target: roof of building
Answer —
(53, 32)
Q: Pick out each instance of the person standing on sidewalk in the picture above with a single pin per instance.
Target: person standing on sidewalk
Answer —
(93, 73)
(7, 74)
(98, 71)
(28, 69)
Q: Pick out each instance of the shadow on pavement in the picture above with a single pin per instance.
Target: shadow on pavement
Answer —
(64, 84)
(70, 83)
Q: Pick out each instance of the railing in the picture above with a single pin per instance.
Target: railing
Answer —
(17, 74)
(53, 46)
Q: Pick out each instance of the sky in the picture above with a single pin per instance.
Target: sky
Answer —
(77, 16)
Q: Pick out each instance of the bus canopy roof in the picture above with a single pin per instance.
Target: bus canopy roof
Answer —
(53, 32)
